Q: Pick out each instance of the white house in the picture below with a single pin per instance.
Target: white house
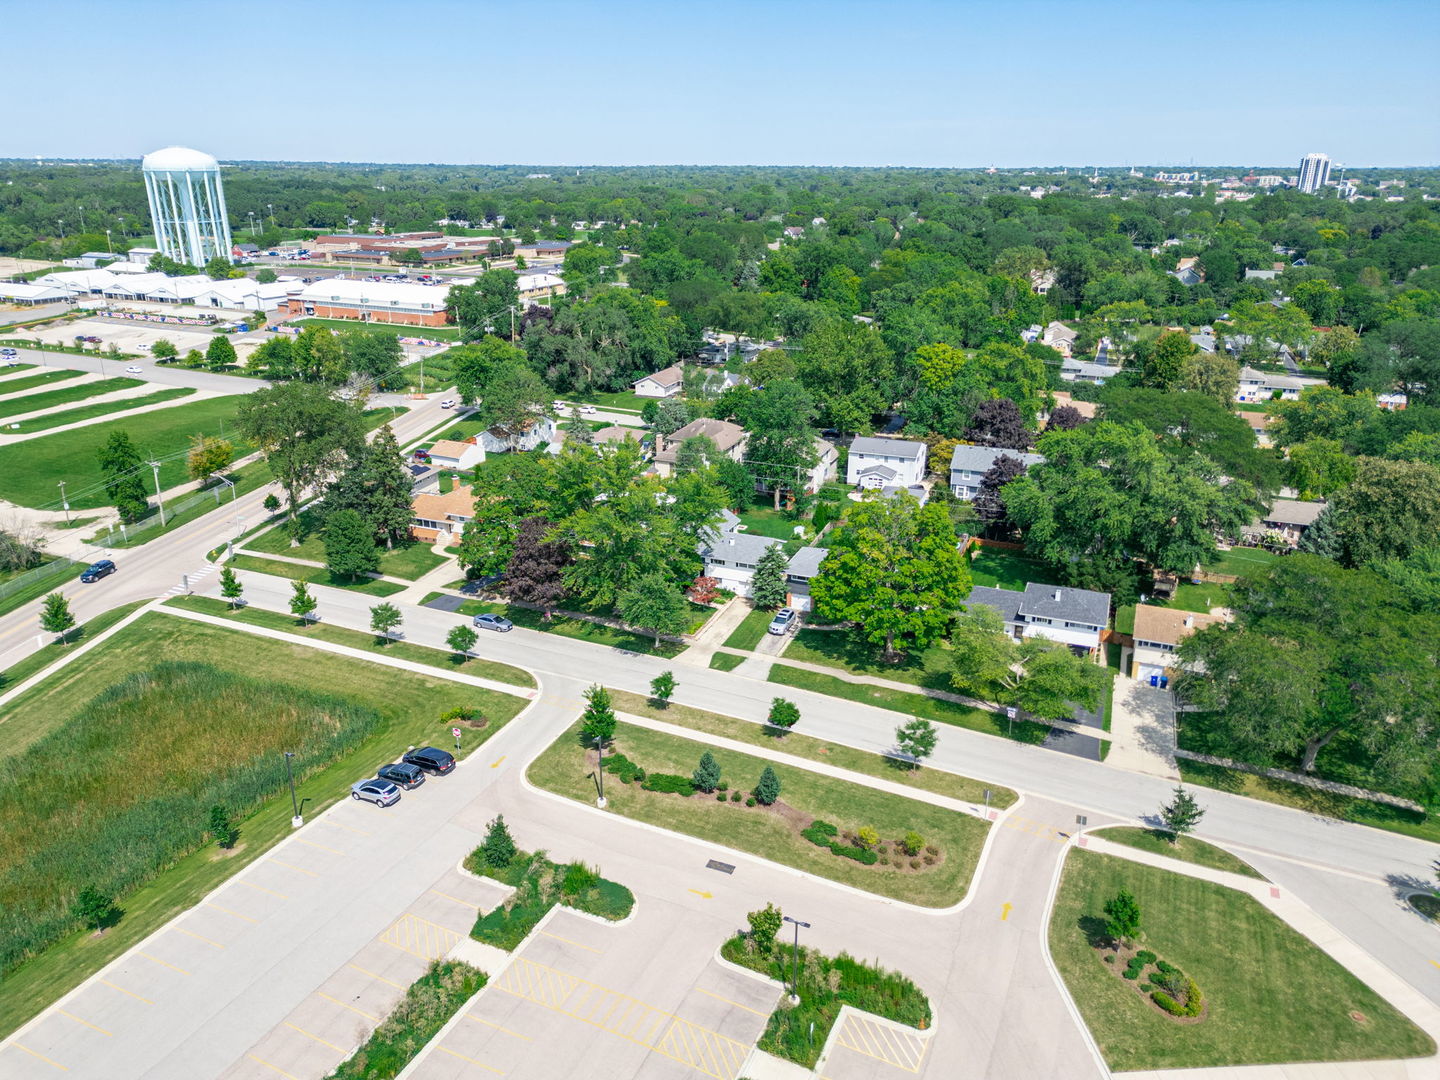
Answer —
(1075, 617)
(1263, 386)
(1158, 633)
(452, 454)
(534, 432)
(730, 439)
(883, 463)
(662, 384)
(731, 556)
(826, 466)
(969, 464)
(1059, 337)
(1072, 370)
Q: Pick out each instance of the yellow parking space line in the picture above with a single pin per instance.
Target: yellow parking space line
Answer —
(567, 941)
(718, 997)
(37, 1054)
(234, 914)
(122, 990)
(497, 1027)
(87, 1023)
(162, 963)
(197, 937)
(261, 888)
(344, 1005)
(456, 899)
(292, 866)
(347, 828)
(472, 1061)
(382, 978)
(319, 847)
(317, 1038)
(273, 1068)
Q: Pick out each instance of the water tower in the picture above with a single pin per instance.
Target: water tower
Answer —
(187, 205)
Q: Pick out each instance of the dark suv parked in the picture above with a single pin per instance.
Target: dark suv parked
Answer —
(431, 760)
(406, 776)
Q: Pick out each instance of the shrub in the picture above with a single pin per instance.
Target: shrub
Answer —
(867, 837)
(736, 796)
(578, 878)
(433, 998)
(707, 773)
(750, 801)
(719, 796)
(931, 848)
(722, 786)
(1194, 1001)
(1166, 968)
(94, 908)
(1145, 956)
(929, 860)
(884, 860)
(864, 856)
(669, 784)
(623, 768)
(914, 864)
(767, 790)
(912, 843)
(498, 849)
(1132, 973)
(819, 832)
(764, 925)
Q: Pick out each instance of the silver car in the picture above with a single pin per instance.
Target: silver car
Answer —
(784, 619)
(380, 792)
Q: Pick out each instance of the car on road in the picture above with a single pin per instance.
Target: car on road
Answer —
(402, 775)
(493, 622)
(448, 403)
(783, 621)
(134, 369)
(431, 760)
(8, 354)
(588, 410)
(96, 570)
(380, 792)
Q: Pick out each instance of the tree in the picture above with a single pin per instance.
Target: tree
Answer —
(781, 449)
(264, 276)
(271, 503)
(388, 493)
(704, 590)
(349, 545)
(1181, 814)
(1388, 510)
(220, 354)
(735, 480)
(164, 350)
(208, 456)
(230, 587)
(306, 435)
(194, 358)
(536, 570)
(513, 401)
(1122, 917)
(95, 909)
(317, 356)
(1319, 468)
(893, 570)
(668, 416)
(56, 617)
(1165, 362)
(385, 618)
(1216, 375)
(375, 357)
(462, 639)
(487, 540)
(661, 687)
(767, 788)
(302, 601)
(765, 925)
(768, 588)
(916, 740)
(223, 828)
(120, 464)
(847, 369)
(498, 848)
(1064, 418)
(218, 268)
(998, 422)
(989, 503)
(476, 364)
(654, 604)
(598, 720)
(485, 305)
(707, 774)
(783, 714)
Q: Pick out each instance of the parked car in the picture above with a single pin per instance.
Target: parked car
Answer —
(380, 792)
(95, 571)
(403, 775)
(448, 403)
(784, 619)
(431, 760)
(133, 369)
(493, 622)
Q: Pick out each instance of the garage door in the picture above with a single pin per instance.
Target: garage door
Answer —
(1149, 670)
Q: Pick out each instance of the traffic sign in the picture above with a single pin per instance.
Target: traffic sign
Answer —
(1011, 713)
(455, 731)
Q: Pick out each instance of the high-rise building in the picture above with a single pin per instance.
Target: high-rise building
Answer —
(1314, 172)
(187, 205)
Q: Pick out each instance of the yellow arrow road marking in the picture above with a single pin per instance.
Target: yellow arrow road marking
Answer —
(496, 763)
(703, 895)
(1005, 910)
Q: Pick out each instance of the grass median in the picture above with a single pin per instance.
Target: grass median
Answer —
(427, 1006)
(43, 378)
(580, 629)
(315, 575)
(14, 406)
(1186, 849)
(99, 408)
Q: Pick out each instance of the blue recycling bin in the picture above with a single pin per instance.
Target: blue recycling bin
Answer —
(1154, 680)
(1164, 682)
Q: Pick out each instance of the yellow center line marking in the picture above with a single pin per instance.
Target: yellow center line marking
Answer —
(320, 847)
(162, 963)
(42, 1057)
(87, 1023)
(292, 866)
(447, 896)
(261, 888)
(567, 941)
(496, 763)
(197, 937)
(276, 1068)
(235, 914)
(317, 1038)
(717, 997)
(382, 978)
(472, 1061)
(122, 990)
(343, 1005)
(497, 1027)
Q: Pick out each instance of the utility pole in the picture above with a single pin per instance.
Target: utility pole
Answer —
(155, 467)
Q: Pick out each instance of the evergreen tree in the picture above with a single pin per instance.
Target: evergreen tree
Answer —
(222, 827)
(498, 848)
(1122, 917)
(661, 687)
(120, 464)
(598, 720)
(707, 774)
(349, 545)
(230, 587)
(768, 589)
(384, 620)
(56, 617)
(1181, 814)
(387, 483)
(768, 788)
(535, 572)
(302, 601)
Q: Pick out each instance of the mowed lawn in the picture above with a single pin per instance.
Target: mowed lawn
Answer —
(316, 575)
(1186, 849)
(43, 378)
(46, 399)
(567, 768)
(99, 408)
(1271, 995)
(30, 470)
(409, 560)
(1002, 569)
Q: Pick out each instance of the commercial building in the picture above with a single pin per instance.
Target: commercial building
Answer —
(1314, 172)
(187, 205)
(401, 303)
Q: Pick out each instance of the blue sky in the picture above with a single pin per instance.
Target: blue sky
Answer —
(605, 82)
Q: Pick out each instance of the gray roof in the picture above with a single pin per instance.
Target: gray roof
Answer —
(882, 471)
(1294, 512)
(1048, 601)
(1005, 601)
(805, 563)
(981, 458)
(903, 448)
(1089, 370)
(919, 491)
(746, 547)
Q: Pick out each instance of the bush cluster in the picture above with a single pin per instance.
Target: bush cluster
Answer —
(1194, 1001)
(820, 832)
(429, 1002)
(539, 885)
(669, 784)
(623, 768)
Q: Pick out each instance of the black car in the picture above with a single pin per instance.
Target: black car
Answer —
(406, 776)
(431, 760)
(95, 571)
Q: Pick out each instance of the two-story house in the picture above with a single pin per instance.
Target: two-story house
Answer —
(1263, 386)
(885, 463)
(969, 464)
(1075, 617)
(1158, 633)
(441, 517)
(731, 556)
(728, 438)
(662, 384)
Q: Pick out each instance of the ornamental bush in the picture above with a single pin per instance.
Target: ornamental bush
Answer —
(1145, 956)
(864, 856)
(623, 768)
(912, 843)
(669, 784)
(1194, 1001)
(819, 832)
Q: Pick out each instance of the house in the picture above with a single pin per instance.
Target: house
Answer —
(1263, 386)
(1059, 337)
(826, 466)
(1075, 617)
(451, 454)
(1290, 518)
(1259, 423)
(731, 554)
(615, 434)
(884, 463)
(1042, 281)
(534, 432)
(662, 384)
(1158, 632)
(1188, 271)
(729, 439)
(442, 517)
(969, 464)
(1072, 370)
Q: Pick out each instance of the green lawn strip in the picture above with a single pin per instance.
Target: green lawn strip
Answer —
(14, 406)
(539, 885)
(581, 629)
(1001, 569)
(764, 520)
(357, 639)
(621, 400)
(42, 658)
(30, 470)
(29, 382)
(246, 479)
(409, 560)
(807, 746)
(409, 705)
(431, 333)
(1188, 849)
(101, 408)
(15, 369)
(566, 768)
(844, 650)
(899, 701)
(1312, 800)
(316, 575)
(722, 661)
(798, 1032)
(57, 573)
(427, 1006)
(751, 631)
(1271, 995)
(1242, 560)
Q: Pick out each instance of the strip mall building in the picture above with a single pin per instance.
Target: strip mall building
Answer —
(401, 303)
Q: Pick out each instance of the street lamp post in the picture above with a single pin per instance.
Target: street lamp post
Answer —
(795, 961)
(65, 503)
(600, 769)
(155, 468)
(295, 820)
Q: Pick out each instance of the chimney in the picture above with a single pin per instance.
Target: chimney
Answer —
(1057, 594)
(1189, 620)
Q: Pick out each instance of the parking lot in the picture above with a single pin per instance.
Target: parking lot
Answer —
(129, 336)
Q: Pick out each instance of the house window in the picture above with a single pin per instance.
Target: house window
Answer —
(1080, 626)
(1037, 619)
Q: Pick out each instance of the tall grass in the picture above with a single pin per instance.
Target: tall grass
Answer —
(123, 788)
(426, 1007)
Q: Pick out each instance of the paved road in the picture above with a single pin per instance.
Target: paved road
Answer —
(160, 374)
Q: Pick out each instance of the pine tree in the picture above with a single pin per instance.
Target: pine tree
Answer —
(302, 601)
(1122, 917)
(598, 721)
(707, 774)
(1181, 814)
(121, 464)
(349, 545)
(535, 571)
(230, 587)
(768, 789)
(661, 687)
(498, 848)
(387, 483)
(768, 589)
(222, 827)
(56, 617)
